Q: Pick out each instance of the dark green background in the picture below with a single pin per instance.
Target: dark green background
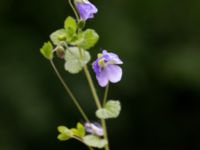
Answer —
(159, 42)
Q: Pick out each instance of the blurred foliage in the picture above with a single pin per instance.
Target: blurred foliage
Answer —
(159, 42)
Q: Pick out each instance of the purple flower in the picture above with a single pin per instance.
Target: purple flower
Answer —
(94, 128)
(86, 9)
(107, 69)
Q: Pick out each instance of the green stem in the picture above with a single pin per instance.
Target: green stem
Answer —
(96, 98)
(103, 122)
(74, 10)
(69, 92)
(105, 94)
(92, 88)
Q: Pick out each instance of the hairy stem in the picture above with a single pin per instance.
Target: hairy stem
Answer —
(97, 101)
(69, 92)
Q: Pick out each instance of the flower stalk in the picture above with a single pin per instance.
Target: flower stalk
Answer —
(98, 104)
(67, 89)
(74, 10)
(92, 88)
(105, 94)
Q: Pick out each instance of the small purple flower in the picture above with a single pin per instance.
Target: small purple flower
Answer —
(86, 9)
(94, 128)
(107, 69)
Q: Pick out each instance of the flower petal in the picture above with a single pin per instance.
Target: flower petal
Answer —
(86, 10)
(112, 58)
(102, 78)
(114, 73)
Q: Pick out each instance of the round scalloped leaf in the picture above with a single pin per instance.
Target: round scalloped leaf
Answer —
(58, 36)
(94, 141)
(87, 39)
(75, 59)
(111, 110)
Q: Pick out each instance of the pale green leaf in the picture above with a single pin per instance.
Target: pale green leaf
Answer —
(62, 129)
(47, 50)
(58, 36)
(73, 66)
(111, 110)
(81, 129)
(94, 141)
(75, 59)
(75, 132)
(63, 137)
(87, 39)
(65, 133)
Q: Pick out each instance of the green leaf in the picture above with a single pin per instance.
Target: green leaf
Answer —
(81, 129)
(58, 36)
(70, 24)
(62, 129)
(63, 137)
(47, 50)
(75, 132)
(65, 133)
(87, 39)
(94, 141)
(111, 110)
(75, 59)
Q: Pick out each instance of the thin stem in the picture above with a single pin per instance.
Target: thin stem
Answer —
(105, 94)
(96, 98)
(92, 88)
(69, 92)
(103, 122)
(74, 10)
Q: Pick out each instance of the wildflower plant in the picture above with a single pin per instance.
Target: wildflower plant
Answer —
(72, 44)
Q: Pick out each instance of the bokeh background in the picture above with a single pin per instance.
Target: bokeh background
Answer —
(159, 42)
